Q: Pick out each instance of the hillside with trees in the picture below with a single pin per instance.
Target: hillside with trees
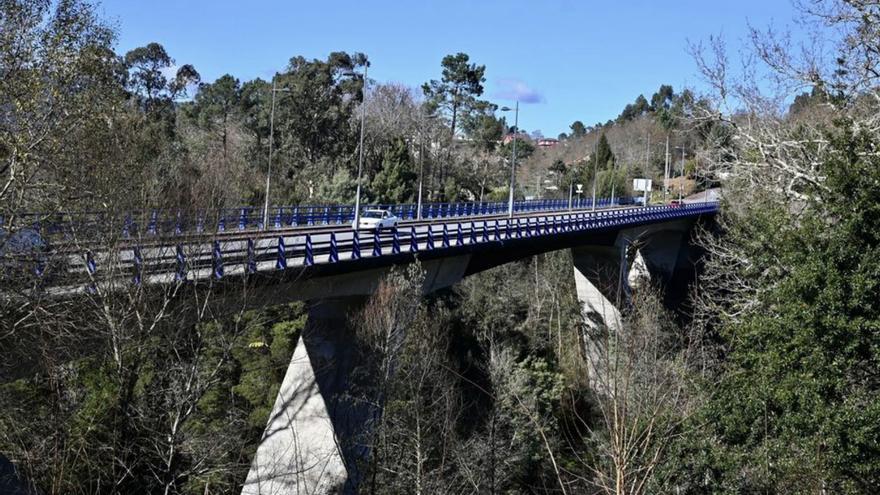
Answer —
(764, 381)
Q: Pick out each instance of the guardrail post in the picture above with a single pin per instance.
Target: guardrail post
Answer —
(180, 274)
(485, 232)
(355, 245)
(459, 239)
(127, 226)
(472, 237)
(413, 241)
(137, 260)
(242, 219)
(153, 220)
(278, 216)
(445, 236)
(518, 229)
(281, 254)
(217, 260)
(92, 268)
(251, 256)
(497, 234)
(429, 245)
(377, 243)
(334, 250)
(221, 223)
(309, 257)
(395, 241)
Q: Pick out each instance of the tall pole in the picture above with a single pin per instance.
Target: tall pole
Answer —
(357, 197)
(271, 149)
(666, 172)
(647, 161)
(421, 174)
(595, 170)
(570, 194)
(681, 175)
(613, 180)
(513, 163)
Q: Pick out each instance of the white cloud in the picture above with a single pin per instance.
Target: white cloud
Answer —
(515, 89)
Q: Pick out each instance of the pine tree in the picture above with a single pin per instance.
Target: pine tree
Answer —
(604, 154)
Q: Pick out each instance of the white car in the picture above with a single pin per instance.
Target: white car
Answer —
(376, 219)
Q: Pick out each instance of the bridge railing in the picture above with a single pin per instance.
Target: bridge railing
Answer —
(159, 222)
(219, 257)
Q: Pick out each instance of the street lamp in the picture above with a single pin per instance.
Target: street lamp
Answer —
(513, 163)
(647, 164)
(357, 198)
(271, 150)
(595, 171)
(422, 162)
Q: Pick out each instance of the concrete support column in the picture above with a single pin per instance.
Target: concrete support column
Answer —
(306, 447)
(600, 275)
(600, 280)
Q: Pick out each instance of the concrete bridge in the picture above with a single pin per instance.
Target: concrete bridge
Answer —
(304, 448)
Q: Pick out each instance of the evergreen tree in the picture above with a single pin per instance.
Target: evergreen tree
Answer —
(396, 182)
(797, 407)
(578, 129)
(457, 92)
(604, 156)
(663, 98)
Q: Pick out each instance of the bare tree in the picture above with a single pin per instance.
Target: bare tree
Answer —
(643, 400)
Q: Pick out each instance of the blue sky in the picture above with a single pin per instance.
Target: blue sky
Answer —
(582, 60)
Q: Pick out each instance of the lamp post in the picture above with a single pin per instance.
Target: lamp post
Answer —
(681, 176)
(613, 181)
(271, 150)
(513, 163)
(357, 197)
(422, 163)
(421, 176)
(666, 172)
(595, 170)
(647, 164)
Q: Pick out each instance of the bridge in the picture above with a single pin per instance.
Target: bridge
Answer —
(315, 256)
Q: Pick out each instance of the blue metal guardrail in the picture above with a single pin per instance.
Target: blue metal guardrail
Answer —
(170, 222)
(279, 253)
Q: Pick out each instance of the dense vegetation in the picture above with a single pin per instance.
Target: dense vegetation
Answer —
(765, 382)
